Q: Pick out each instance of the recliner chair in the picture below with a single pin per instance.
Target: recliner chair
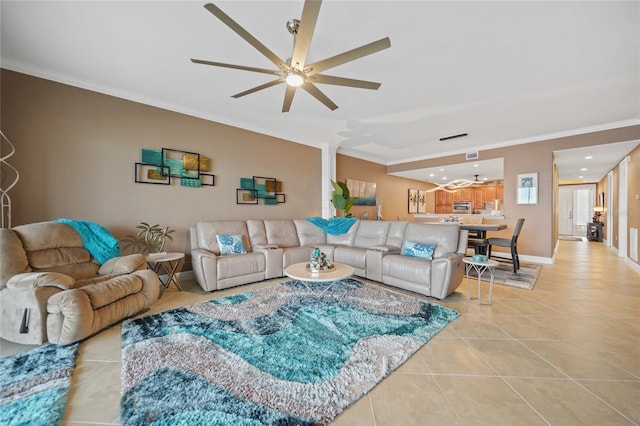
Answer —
(511, 243)
(53, 290)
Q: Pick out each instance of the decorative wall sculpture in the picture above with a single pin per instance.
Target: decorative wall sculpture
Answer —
(9, 177)
(267, 189)
(161, 167)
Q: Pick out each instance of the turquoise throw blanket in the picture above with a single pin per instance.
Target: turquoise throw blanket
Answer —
(334, 226)
(95, 238)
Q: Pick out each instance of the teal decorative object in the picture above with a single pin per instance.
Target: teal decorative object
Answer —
(284, 354)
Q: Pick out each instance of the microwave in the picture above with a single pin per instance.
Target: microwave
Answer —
(461, 207)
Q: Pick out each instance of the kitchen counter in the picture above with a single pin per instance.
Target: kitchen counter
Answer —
(432, 216)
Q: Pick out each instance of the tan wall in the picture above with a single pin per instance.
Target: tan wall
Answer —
(76, 149)
(391, 191)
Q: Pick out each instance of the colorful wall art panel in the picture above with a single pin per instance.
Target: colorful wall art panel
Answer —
(163, 166)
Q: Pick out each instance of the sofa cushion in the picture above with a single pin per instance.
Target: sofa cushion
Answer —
(207, 231)
(282, 233)
(235, 266)
(309, 234)
(443, 235)
(372, 233)
(411, 248)
(345, 239)
(107, 292)
(47, 235)
(230, 244)
(14, 257)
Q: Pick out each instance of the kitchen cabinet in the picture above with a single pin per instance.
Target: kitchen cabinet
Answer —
(444, 201)
(478, 199)
(489, 194)
(478, 196)
(464, 194)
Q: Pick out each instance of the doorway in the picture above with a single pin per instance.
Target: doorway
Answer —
(575, 208)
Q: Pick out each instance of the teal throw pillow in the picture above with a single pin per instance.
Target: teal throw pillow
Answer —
(414, 249)
(230, 244)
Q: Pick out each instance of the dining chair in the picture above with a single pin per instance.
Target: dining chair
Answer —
(479, 245)
(511, 243)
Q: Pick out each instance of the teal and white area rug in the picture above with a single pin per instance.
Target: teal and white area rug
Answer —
(281, 355)
(34, 385)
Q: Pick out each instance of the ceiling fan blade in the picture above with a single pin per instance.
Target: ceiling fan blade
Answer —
(237, 67)
(257, 88)
(218, 13)
(288, 98)
(316, 93)
(341, 81)
(308, 21)
(348, 56)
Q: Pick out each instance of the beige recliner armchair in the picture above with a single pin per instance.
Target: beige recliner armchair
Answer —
(53, 290)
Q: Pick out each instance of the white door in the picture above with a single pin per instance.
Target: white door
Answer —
(575, 209)
(565, 211)
(622, 208)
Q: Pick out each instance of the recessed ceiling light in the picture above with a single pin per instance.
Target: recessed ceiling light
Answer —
(442, 170)
(584, 169)
(431, 175)
(476, 165)
(588, 157)
(444, 178)
(485, 178)
(580, 177)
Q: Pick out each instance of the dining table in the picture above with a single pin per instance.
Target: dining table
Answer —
(480, 229)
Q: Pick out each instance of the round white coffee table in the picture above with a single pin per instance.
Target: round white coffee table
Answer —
(299, 271)
(480, 268)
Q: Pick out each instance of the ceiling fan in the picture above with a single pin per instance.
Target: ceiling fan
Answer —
(295, 72)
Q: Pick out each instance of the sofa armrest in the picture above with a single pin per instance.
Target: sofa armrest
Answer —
(29, 280)
(264, 247)
(375, 254)
(70, 317)
(446, 274)
(123, 265)
(273, 259)
(205, 268)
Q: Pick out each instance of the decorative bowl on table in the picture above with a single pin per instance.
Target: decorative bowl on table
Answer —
(479, 258)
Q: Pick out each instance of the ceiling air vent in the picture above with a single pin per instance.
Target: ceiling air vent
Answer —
(459, 135)
(472, 155)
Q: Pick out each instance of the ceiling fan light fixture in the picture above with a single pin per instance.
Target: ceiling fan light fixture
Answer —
(294, 79)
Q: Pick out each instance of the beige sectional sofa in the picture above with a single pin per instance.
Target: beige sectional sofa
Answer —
(372, 248)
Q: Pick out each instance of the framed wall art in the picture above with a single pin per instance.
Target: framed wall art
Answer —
(422, 201)
(413, 201)
(528, 188)
(365, 191)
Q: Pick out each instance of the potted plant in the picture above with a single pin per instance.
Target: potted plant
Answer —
(150, 238)
(341, 199)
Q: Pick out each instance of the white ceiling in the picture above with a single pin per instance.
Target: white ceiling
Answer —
(503, 72)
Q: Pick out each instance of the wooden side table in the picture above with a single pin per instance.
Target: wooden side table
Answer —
(171, 263)
(480, 268)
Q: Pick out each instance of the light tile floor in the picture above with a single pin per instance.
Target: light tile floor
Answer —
(565, 353)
